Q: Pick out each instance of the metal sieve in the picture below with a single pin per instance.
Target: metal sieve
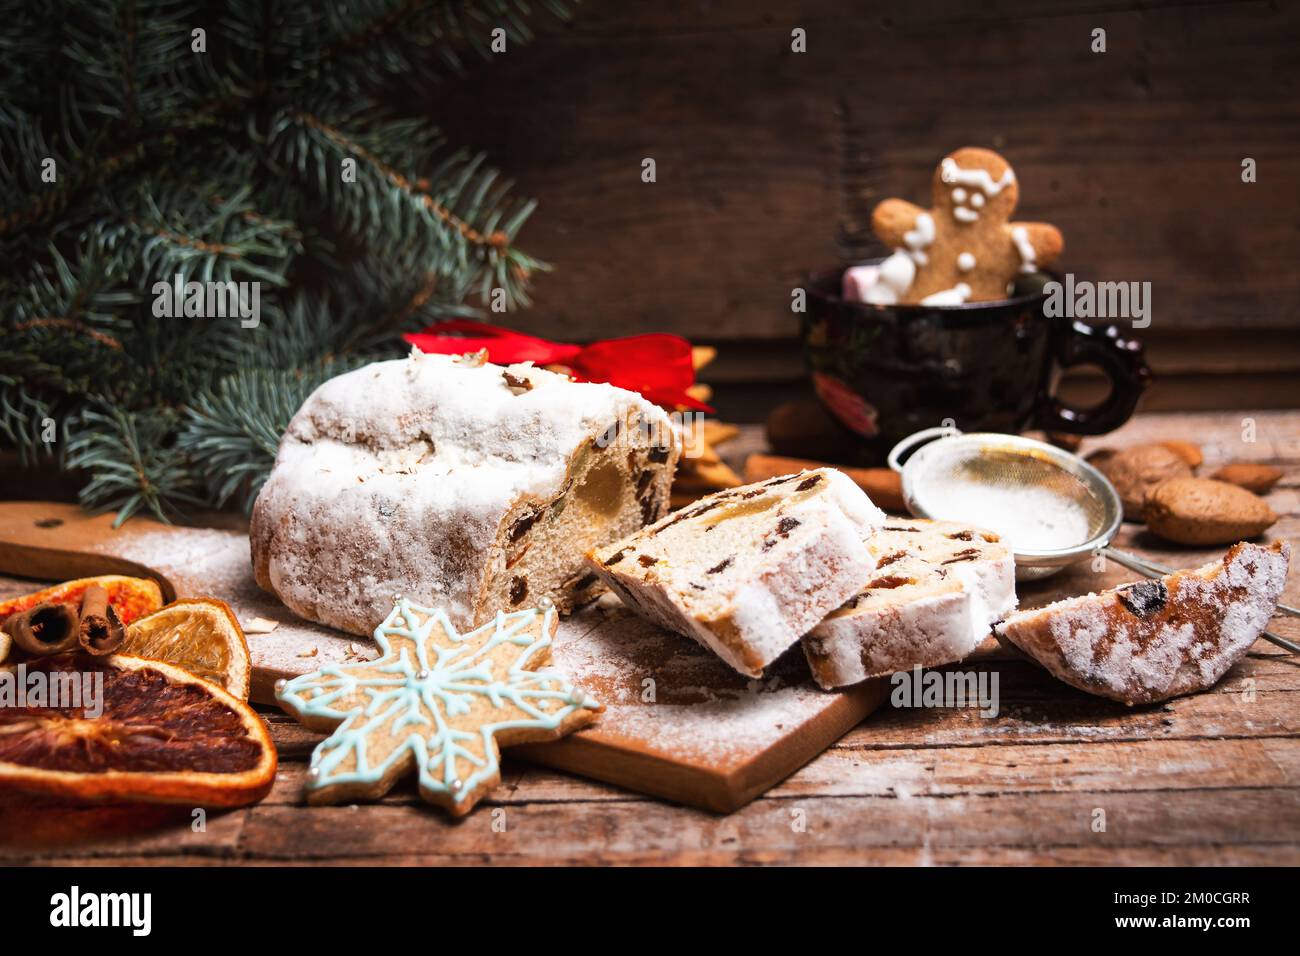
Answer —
(1050, 507)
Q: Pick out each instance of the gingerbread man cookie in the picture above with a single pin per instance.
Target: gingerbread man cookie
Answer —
(964, 249)
(438, 701)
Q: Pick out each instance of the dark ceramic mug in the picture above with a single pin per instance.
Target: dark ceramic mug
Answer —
(887, 371)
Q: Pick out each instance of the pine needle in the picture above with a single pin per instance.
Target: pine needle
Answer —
(133, 161)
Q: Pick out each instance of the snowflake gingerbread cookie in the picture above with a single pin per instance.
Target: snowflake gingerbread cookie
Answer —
(436, 700)
(965, 248)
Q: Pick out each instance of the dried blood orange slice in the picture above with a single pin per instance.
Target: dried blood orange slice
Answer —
(201, 635)
(130, 597)
(163, 736)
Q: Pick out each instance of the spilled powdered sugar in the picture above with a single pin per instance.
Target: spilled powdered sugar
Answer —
(698, 707)
(215, 563)
(701, 709)
(219, 559)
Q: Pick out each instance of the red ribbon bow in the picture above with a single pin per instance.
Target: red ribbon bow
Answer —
(658, 366)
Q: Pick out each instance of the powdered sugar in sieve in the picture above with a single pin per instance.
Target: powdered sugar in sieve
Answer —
(1048, 506)
(1030, 518)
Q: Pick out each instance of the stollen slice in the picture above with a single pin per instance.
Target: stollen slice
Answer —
(748, 570)
(1152, 640)
(937, 588)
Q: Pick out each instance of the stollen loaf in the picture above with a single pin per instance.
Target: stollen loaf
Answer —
(457, 484)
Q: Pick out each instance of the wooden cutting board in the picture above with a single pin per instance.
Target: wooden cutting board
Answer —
(678, 723)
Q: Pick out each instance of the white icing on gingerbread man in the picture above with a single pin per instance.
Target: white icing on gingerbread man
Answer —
(964, 249)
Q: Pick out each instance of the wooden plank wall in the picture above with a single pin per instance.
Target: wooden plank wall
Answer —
(768, 163)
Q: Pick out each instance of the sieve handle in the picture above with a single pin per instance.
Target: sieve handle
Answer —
(917, 438)
(1120, 360)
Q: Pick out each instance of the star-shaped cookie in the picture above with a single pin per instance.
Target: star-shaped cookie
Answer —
(437, 700)
(965, 248)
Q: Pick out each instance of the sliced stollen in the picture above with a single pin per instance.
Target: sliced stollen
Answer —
(458, 484)
(748, 570)
(1153, 640)
(937, 589)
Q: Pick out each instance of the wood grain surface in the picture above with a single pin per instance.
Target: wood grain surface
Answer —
(1213, 778)
(768, 161)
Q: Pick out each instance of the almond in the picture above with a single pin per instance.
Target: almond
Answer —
(1135, 471)
(1203, 511)
(1253, 477)
(1185, 450)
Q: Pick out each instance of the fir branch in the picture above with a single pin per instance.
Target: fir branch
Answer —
(225, 166)
(457, 221)
(98, 164)
(31, 43)
(134, 462)
(305, 331)
(24, 152)
(400, 298)
(181, 231)
(417, 192)
(411, 39)
(81, 291)
(22, 419)
(72, 325)
(234, 429)
(133, 60)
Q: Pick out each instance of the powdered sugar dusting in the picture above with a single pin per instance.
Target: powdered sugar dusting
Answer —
(1199, 626)
(665, 693)
(702, 711)
(396, 478)
(217, 558)
(214, 563)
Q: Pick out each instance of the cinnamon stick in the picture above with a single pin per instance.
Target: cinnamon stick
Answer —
(44, 629)
(100, 630)
(882, 485)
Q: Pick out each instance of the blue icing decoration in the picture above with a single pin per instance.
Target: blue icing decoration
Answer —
(426, 676)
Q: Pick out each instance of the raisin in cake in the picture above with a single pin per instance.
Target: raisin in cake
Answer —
(937, 588)
(458, 484)
(1152, 640)
(748, 570)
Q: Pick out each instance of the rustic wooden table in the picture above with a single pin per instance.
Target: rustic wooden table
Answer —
(1208, 779)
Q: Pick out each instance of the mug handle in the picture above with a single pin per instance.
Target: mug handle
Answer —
(1119, 359)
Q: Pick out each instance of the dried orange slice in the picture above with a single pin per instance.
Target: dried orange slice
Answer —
(161, 735)
(130, 597)
(201, 635)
